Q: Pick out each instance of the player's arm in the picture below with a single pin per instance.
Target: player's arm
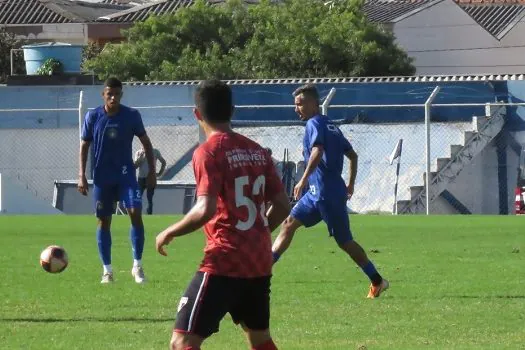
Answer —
(162, 164)
(209, 181)
(140, 132)
(87, 137)
(200, 214)
(315, 158)
(83, 155)
(352, 157)
(148, 151)
(276, 196)
(279, 210)
(139, 158)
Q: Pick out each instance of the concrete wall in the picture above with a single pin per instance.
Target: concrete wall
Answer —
(16, 199)
(37, 148)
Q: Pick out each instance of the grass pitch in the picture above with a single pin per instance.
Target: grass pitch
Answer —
(457, 282)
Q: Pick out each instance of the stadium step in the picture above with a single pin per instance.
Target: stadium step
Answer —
(432, 174)
(468, 135)
(441, 163)
(401, 205)
(455, 149)
(415, 191)
(460, 156)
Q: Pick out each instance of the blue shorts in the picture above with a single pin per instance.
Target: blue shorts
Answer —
(334, 213)
(106, 198)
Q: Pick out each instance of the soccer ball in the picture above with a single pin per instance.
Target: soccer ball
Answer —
(54, 259)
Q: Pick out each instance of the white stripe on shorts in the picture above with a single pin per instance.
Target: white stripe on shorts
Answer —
(194, 309)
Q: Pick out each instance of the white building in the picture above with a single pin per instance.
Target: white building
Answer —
(447, 37)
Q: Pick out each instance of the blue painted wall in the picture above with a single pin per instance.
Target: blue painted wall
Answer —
(262, 94)
(370, 94)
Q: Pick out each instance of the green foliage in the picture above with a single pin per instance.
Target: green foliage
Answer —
(8, 41)
(51, 66)
(91, 51)
(295, 38)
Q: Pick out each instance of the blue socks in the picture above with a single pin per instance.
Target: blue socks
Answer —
(137, 241)
(104, 246)
(370, 270)
(275, 256)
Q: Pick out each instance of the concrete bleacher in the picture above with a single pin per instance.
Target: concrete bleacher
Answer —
(37, 157)
(374, 190)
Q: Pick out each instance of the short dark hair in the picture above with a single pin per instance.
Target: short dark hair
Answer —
(308, 90)
(112, 82)
(214, 101)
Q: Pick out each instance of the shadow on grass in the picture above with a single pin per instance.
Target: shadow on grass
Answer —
(84, 319)
(488, 296)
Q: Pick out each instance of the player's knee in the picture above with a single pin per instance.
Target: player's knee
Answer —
(104, 223)
(265, 345)
(290, 225)
(258, 338)
(135, 214)
(182, 341)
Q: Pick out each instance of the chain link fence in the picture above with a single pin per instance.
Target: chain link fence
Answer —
(39, 147)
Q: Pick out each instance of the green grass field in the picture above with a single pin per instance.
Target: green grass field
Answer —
(457, 282)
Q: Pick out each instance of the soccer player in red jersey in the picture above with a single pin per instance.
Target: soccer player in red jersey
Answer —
(235, 178)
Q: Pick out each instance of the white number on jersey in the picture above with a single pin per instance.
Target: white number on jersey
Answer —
(124, 170)
(332, 127)
(242, 201)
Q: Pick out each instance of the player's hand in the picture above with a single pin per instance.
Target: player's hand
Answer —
(82, 186)
(163, 239)
(151, 180)
(298, 189)
(350, 190)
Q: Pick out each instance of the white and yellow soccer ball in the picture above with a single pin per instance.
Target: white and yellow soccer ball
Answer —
(54, 259)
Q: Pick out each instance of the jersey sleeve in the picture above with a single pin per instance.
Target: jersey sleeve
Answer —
(207, 176)
(274, 184)
(87, 127)
(138, 127)
(316, 134)
(347, 146)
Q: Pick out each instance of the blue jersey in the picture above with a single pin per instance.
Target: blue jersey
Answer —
(326, 181)
(112, 140)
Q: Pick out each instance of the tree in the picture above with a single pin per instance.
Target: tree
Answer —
(8, 41)
(293, 38)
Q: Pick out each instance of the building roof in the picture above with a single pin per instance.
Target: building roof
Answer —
(142, 12)
(159, 7)
(393, 79)
(496, 18)
(126, 2)
(53, 11)
(389, 11)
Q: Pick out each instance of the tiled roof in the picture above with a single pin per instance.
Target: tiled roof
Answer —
(142, 12)
(387, 11)
(495, 18)
(52, 11)
(126, 2)
(400, 79)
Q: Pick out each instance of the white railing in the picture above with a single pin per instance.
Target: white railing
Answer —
(326, 105)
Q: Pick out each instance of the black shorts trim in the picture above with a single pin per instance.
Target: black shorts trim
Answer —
(209, 297)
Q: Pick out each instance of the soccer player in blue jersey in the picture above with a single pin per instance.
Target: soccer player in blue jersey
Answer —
(324, 150)
(110, 129)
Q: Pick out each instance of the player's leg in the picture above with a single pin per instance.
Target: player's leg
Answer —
(304, 213)
(104, 198)
(130, 196)
(336, 217)
(252, 311)
(200, 310)
(150, 192)
(142, 185)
